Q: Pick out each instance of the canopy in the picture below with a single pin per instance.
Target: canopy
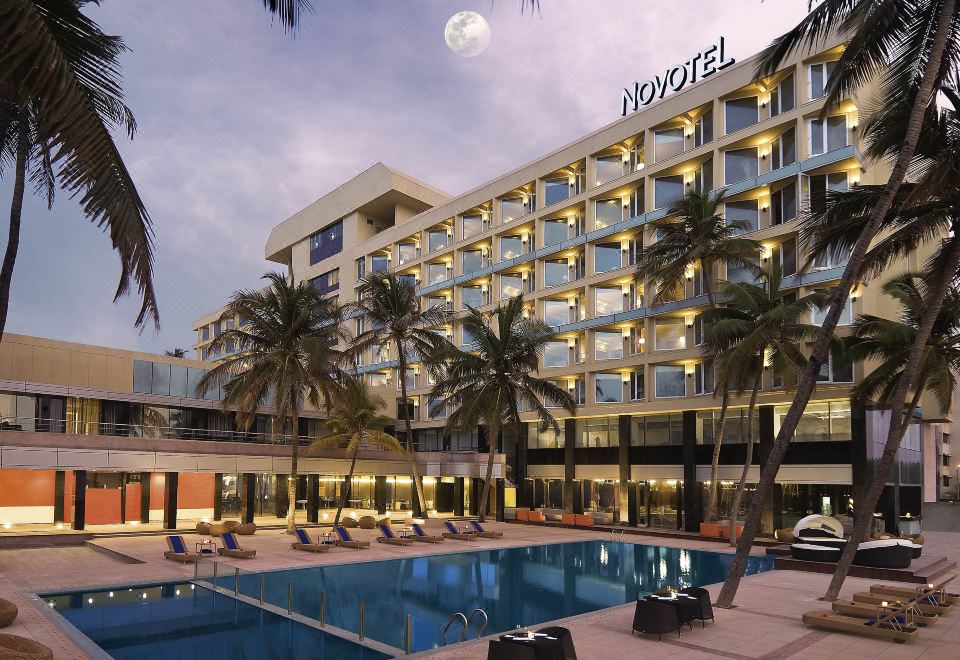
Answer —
(825, 523)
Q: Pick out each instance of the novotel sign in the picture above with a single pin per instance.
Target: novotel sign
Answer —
(702, 65)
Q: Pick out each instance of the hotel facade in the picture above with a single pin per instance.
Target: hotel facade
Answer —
(565, 231)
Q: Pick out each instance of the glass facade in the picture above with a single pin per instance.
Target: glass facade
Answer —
(609, 168)
(741, 113)
(609, 388)
(608, 300)
(606, 257)
(740, 164)
(556, 312)
(555, 191)
(670, 380)
(608, 345)
(667, 143)
(554, 231)
(667, 191)
(609, 212)
(555, 272)
(326, 242)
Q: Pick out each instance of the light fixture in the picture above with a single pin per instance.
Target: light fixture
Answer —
(640, 166)
(642, 341)
(626, 333)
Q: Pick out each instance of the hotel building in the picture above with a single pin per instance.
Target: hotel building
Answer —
(565, 231)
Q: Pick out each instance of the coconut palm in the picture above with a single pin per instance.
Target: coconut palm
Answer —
(176, 352)
(760, 328)
(694, 235)
(913, 48)
(390, 312)
(492, 384)
(355, 422)
(286, 355)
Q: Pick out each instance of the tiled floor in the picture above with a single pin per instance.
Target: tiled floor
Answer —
(765, 624)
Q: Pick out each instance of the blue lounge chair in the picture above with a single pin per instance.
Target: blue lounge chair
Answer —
(453, 533)
(481, 532)
(387, 536)
(231, 548)
(420, 535)
(304, 543)
(178, 551)
(344, 540)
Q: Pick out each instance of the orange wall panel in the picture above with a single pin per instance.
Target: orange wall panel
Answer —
(195, 490)
(157, 489)
(27, 487)
(103, 506)
(133, 501)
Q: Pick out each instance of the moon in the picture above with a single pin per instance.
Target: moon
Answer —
(467, 34)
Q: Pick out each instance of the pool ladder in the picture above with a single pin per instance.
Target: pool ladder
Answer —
(618, 534)
(460, 616)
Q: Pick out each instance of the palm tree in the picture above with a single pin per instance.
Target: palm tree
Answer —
(493, 383)
(912, 46)
(693, 236)
(285, 355)
(176, 352)
(759, 329)
(354, 420)
(389, 309)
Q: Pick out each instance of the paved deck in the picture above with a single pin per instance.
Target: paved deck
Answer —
(766, 623)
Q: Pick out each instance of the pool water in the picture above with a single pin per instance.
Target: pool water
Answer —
(514, 586)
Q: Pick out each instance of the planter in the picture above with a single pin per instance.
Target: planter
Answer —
(725, 529)
(710, 529)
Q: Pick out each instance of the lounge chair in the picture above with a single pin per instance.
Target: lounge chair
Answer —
(420, 535)
(178, 551)
(872, 611)
(453, 533)
(890, 626)
(386, 536)
(344, 540)
(655, 618)
(922, 606)
(933, 594)
(304, 543)
(482, 533)
(231, 548)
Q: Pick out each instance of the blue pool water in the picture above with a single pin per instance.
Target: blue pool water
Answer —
(515, 586)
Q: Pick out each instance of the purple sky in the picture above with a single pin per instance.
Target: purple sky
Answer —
(241, 126)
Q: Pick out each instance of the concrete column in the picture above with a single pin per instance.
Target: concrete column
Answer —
(476, 488)
(458, 493)
(692, 499)
(380, 494)
(218, 496)
(79, 499)
(145, 497)
(499, 497)
(170, 482)
(59, 486)
(281, 499)
(249, 496)
(569, 465)
(623, 460)
(313, 498)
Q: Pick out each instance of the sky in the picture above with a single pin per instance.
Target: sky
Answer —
(241, 125)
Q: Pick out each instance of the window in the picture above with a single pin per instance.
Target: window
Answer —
(547, 438)
(608, 212)
(608, 345)
(361, 267)
(820, 422)
(408, 279)
(554, 231)
(411, 380)
(818, 315)
(205, 333)
(703, 378)
(378, 379)
(217, 329)
(437, 239)
(703, 177)
(670, 334)
(466, 337)
(739, 164)
(379, 263)
(411, 412)
(511, 208)
(819, 78)
(555, 272)
(786, 255)
(667, 191)
(472, 225)
(437, 301)
(407, 252)
(556, 312)
(556, 354)
(667, 143)
(609, 168)
(436, 409)
(471, 296)
(608, 300)
(745, 213)
(740, 274)
(437, 273)
(827, 135)
(698, 335)
(510, 247)
(657, 430)
(326, 242)
(637, 388)
(511, 286)
(609, 388)
(740, 113)
(818, 186)
(670, 380)
(472, 260)
(783, 204)
(555, 191)
(606, 257)
(783, 97)
(783, 150)
(703, 129)
(598, 432)
(329, 281)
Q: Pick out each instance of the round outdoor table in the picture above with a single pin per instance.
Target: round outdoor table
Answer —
(688, 607)
(544, 646)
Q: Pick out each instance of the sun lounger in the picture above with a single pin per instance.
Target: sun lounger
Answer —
(387, 536)
(889, 627)
(344, 540)
(423, 537)
(873, 611)
(232, 549)
(453, 533)
(482, 533)
(304, 543)
(923, 607)
(933, 594)
(178, 551)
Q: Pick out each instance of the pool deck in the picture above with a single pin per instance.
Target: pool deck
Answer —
(764, 625)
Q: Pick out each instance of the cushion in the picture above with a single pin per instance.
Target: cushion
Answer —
(809, 546)
(230, 541)
(386, 531)
(883, 543)
(176, 542)
(367, 522)
(450, 527)
(417, 529)
(814, 532)
(14, 646)
(302, 536)
(343, 534)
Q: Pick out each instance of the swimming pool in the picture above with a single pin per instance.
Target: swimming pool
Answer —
(514, 586)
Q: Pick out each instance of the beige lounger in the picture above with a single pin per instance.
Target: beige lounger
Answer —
(386, 536)
(344, 540)
(927, 609)
(178, 551)
(453, 533)
(423, 537)
(872, 611)
(304, 543)
(231, 548)
(943, 598)
(857, 626)
(483, 533)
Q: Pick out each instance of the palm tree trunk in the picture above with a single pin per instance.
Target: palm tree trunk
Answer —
(294, 468)
(713, 502)
(748, 461)
(345, 497)
(420, 508)
(16, 214)
(822, 342)
(899, 422)
(493, 430)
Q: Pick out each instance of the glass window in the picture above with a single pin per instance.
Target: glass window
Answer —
(739, 274)
(818, 186)
(740, 113)
(436, 273)
(703, 129)
(555, 191)
(637, 385)
(819, 78)
(606, 257)
(554, 231)
(161, 379)
(609, 388)
(556, 312)
(598, 431)
(329, 281)
(671, 334)
(608, 345)
(783, 97)
(437, 239)
(818, 315)
(326, 242)
(466, 337)
(746, 213)
(670, 380)
(608, 300)
(510, 247)
(548, 438)
(703, 177)
(788, 257)
(511, 208)
(783, 151)
(667, 191)
(609, 168)
(840, 429)
(828, 135)
(511, 286)
(608, 212)
(703, 378)
(436, 409)
(472, 296)
(142, 376)
(472, 261)
(379, 379)
(783, 204)
(740, 164)
(472, 225)
(555, 272)
(178, 381)
(658, 430)
(667, 143)
(406, 252)
(556, 354)
(361, 267)
(379, 263)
